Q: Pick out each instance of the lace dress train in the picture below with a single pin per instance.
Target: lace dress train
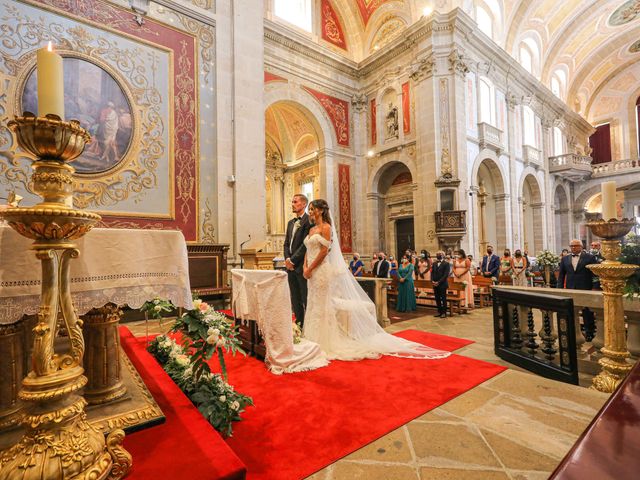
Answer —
(342, 319)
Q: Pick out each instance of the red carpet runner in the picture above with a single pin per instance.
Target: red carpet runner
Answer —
(306, 421)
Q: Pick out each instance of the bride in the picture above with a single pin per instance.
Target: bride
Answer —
(340, 317)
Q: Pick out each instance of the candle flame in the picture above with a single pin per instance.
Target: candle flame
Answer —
(50, 46)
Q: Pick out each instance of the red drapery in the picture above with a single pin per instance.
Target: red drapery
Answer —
(600, 142)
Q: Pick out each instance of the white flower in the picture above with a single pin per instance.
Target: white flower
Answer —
(182, 360)
(188, 372)
(196, 304)
(213, 331)
(212, 339)
(235, 405)
(220, 342)
(157, 308)
(222, 398)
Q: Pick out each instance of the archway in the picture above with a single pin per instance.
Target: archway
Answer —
(562, 219)
(293, 142)
(532, 221)
(394, 186)
(491, 206)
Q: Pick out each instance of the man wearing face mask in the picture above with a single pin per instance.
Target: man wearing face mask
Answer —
(381, 267)
(439, 278)
(490, 264)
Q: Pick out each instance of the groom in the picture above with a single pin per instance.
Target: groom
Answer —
(294, 251)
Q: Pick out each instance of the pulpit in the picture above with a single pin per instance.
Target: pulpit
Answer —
(257, 258)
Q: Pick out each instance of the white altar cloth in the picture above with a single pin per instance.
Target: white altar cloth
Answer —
(263, 296)
(125, 267)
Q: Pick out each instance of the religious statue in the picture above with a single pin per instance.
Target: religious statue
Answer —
(392, 121)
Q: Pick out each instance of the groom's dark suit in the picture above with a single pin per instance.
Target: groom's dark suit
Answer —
(295, 250)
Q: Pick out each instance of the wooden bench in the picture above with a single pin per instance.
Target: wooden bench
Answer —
(482, 292)
(455, 295)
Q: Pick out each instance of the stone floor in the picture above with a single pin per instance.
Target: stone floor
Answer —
(514, 426)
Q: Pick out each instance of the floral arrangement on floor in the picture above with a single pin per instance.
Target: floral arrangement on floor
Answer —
(297, 333)
(204, 332)
(545, 258)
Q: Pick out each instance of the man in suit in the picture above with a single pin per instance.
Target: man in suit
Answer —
(575, 274)
(490, 264)
(440, 280)
(381, 267)
(294, 252)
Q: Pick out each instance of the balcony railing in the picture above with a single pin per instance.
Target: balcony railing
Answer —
(571, 165)
(616, 167)
(531, 156)
(490, 137)
(451, 222)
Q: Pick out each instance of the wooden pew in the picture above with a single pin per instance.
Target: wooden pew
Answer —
(483, 290)
(455, 295)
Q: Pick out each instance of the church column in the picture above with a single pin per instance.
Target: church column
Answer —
(537, 210)
(482, 232)
(502, 207)
(548, 224)
(514, 207)
(359, 175)
(278, 201)
(522, 203)
(372, 242)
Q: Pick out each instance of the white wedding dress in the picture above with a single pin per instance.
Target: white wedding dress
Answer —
(341, 318)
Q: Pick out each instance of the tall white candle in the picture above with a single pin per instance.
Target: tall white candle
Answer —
(50, 82)
(609, 200)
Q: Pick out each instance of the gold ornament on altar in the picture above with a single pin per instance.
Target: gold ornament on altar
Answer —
(613, 275)
(58, 442)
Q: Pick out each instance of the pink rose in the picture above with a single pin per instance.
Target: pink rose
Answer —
(203, 307)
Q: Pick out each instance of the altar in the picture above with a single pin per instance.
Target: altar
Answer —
(116, 267)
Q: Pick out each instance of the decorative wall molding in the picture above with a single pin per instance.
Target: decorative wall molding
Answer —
(422, 68)
(338, 112)
(330, 28)
(344, 198)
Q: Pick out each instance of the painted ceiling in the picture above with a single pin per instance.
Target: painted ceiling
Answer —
(588, 43)
(289, 130)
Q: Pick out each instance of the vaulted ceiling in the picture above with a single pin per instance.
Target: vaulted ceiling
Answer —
(591, 46)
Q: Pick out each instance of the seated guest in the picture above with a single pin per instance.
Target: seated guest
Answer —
(406, 290)
(356, 266)
(381, 267)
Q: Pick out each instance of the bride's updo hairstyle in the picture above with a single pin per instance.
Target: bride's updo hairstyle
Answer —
(323, 206)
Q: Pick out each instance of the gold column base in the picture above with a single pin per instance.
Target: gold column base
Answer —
(613, 275)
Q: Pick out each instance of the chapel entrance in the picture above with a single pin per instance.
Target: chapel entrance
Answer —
(405, 236)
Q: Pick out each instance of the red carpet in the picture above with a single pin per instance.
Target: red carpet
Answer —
(306, 421)
(301, 422)
(186, 446)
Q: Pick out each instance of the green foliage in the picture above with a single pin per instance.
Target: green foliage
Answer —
(204, 332)
(154, 308)
(631, 255)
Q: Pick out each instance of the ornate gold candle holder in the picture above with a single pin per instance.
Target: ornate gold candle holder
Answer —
(58, 442)
(613, 275)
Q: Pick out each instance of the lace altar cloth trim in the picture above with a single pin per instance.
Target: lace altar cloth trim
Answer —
(263, 296)
(115, 265)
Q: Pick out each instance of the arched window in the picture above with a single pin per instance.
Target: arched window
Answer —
(526, 60)
(558, 143)
(487, 104)
(555, 86)
(528, 122)
(296, 12)
(485, 21)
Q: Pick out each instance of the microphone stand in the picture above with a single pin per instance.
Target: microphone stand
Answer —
(242, 245)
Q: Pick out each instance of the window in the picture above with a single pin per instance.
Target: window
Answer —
(487, 109)
(485, 22)
(307, 190)
(525, 59)
(558, 144)
(297, 12)
(555, 87)
(528, 123)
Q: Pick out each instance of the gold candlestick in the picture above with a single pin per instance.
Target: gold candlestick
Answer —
(613, 275)
(58, 441)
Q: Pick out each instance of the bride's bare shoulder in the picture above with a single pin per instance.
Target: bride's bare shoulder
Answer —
(326, 231)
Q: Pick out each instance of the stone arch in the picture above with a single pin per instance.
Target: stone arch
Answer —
(531, 214)
(490, 219)
(562, 217)
(286, 92)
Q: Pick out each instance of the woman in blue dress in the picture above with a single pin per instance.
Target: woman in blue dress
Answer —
(393, 267)
(406, 291)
